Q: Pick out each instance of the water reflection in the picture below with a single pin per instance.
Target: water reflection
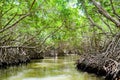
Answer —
(61, 68)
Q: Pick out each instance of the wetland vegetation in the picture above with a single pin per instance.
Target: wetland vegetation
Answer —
(50, 30)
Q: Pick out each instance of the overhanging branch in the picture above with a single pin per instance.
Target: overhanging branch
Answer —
(105, 13)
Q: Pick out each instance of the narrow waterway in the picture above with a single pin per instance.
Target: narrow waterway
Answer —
(61, 68)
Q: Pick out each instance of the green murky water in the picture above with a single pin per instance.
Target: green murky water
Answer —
(61, 68)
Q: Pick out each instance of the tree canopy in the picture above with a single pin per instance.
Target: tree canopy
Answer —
(79, 23)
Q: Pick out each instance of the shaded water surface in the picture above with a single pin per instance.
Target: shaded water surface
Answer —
(61, 68)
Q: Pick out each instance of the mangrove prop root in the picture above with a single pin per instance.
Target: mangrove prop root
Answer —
(100, 65)
(105, 64)
(17, 55)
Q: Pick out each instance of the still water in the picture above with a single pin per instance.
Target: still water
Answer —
(62, 68)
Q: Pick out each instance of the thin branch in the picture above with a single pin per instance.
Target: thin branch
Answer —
(50, 35)
(17, 47)
(33, 36)
(114, 12)
(6, 40)
(106, 24)
(112, 44)
(3, 36)
(7, 11)
(94, 24)
(10, 21)
(6, 28)
(91, 20)
(117, 43)
(32, 4)
(56, 30)
(11, 7)
(105, 13)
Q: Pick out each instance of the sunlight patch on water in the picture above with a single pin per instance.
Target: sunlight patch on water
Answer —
(60, 77)
(19, 75)
(42, 65)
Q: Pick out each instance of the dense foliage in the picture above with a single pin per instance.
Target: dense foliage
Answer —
(79, 24)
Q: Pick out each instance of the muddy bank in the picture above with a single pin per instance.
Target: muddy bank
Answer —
(10, 56)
